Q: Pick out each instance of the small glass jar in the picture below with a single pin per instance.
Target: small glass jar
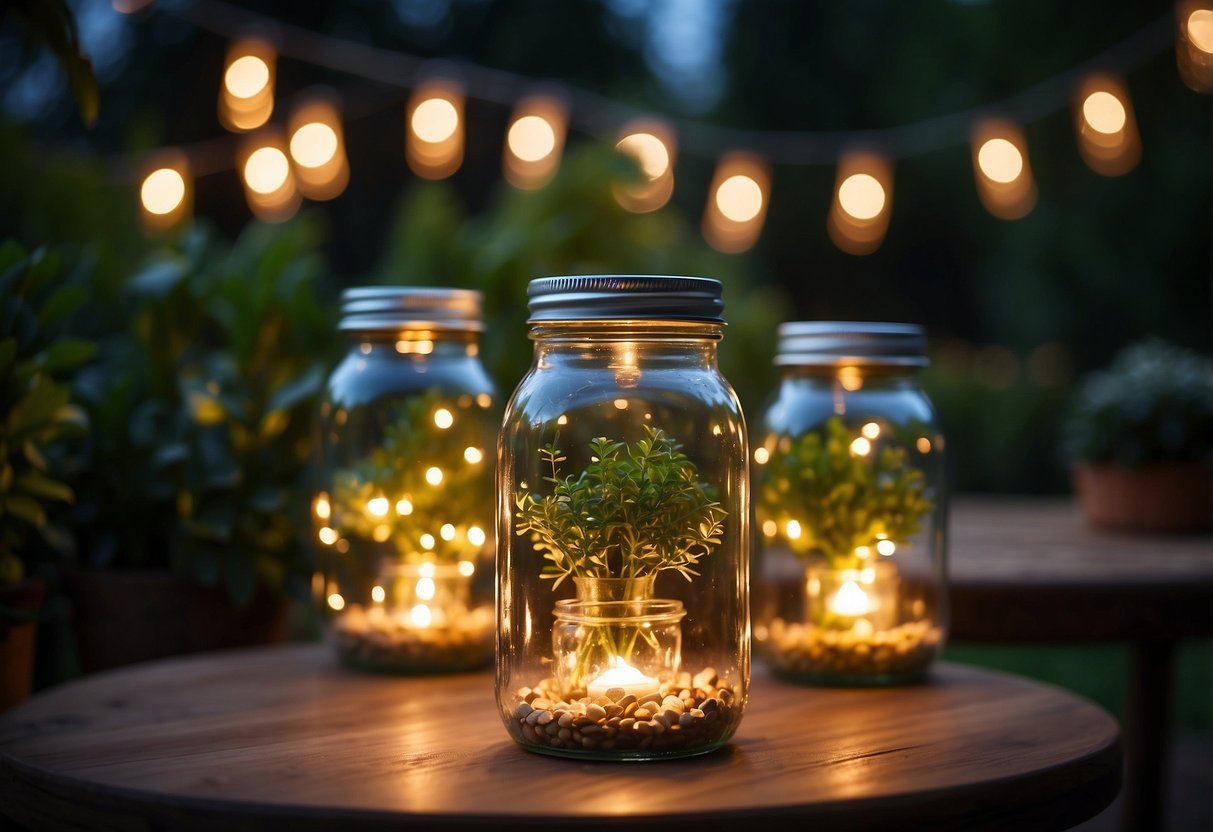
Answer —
(851, 507)
(623, 522)
(404, 510)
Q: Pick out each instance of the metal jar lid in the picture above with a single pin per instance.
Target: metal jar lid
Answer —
(400, 307)
(625, 297)
(856, 343)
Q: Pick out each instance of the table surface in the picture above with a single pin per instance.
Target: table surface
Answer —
(1033, 569)
(283, 737)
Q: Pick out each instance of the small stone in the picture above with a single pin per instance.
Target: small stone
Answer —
(522, 711)
(672, 703)
(615, 694)
(705, 678)
(596, 713)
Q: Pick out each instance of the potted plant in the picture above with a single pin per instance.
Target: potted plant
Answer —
(192, 516)
(1139, 439)
(36, 415)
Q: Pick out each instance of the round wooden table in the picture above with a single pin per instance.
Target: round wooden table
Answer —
(283, 738)
(1032, 569)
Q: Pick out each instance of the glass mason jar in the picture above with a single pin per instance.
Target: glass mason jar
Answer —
(404, 509)
(851, 508)
(623, 525)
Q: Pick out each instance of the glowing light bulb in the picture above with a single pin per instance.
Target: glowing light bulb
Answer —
(443, 418)
(313, 145)
(425, 589)
(1104, 112)
(404, 508)
(246, 76)
(531, 138)
(336, 602)
(1000, 160)
(447, 532)
(420, 616)
(435, 120)
(378, 506)
(427, 541)
(792, 530)
(861, 446)
(266, 170)
(739, 198)
(769, 528)
(323, 508)
(476, 536)
(377, 594)
(649, 152)
(761, 455)
(473, 455)
(861, 196)
(1200, 30)
(163, 191)
(327, 536)
(467, 568)
(871, 430)
(886, 547)
(433, 475)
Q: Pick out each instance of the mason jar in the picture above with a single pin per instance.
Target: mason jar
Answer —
(851, 504)
(404, 508)
(623, 525)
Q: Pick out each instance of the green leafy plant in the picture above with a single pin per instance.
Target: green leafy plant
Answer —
(636, 510)
(839, 499)
(202, 406)
(36, 412)
(389, 495)
(1153, 403)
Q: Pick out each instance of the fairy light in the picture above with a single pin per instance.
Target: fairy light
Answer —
(871, 430)
(322, 507)
(317, 145)
(534, 141)
(1194, 45)
(266, 170)
(792, 530)
(378, 506)
(1106, 127)
(886, 547)
(651, 144)
(404, 508)
(447, 532)
(859, 213)
(270, 186)
(1001, 171)
(378, 594)
(246, 94)
(427, 541)
(861, 446)
(443, 418)
(476, 536)
(737, 203)
(761, 455)
(165, 192)
(435, 133)
(467, 568)
(327, 536)
(433, 475)
(473, 455)
(336, 602)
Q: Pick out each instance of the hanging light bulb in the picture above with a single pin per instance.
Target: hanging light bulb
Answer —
(317, 145)
(737, 203)
(1001, 169)
(435, 129)
(859, 213)
(246, 93)
(534, 141)
(1194, 43)
(269, 184)
(651, 144)
(166, 191)
(1106, 126)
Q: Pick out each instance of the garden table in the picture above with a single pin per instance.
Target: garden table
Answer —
(282, 737)
(1031, 569)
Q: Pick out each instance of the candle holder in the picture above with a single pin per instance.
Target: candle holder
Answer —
(403, 517)
(851, 510)
(622, 556)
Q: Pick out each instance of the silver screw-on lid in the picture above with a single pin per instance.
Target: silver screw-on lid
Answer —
(625, 296)
(396, 307)
(832, 343)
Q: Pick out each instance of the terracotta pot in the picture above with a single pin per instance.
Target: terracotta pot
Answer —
(120, 618)
(18, 638)
(1161, 497)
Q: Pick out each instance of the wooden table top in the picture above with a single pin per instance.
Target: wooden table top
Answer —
(1033, 569)
(281, 737)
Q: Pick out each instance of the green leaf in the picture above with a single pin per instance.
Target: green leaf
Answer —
(25, 507)
(37, 484)
(67, 354)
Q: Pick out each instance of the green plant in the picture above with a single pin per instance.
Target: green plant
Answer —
(36, 411)
(202, 406)
(636, 510)
(840, 499)
(1152, 403)
(392, 494)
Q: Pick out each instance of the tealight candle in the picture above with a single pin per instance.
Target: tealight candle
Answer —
(623, 676)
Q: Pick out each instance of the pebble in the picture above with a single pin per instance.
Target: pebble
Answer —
(803, 650)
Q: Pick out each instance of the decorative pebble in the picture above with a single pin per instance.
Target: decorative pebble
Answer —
(804, 650)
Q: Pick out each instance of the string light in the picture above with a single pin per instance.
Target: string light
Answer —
(859, 213)
(737, 203)
(651, 144)
(1107, 129)
(1001, 169)
(534, 141)
(1194, 44)
(165, 192)
(246, 96)
(434, 136)
(269, 184)
(318, 145)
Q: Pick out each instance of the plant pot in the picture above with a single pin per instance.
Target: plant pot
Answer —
(1160, 497)
(120, 618)
(19, 608)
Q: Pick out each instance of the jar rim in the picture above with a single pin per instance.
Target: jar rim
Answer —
(625, 297)
(387, 307)
(637, 611)
(855, 343)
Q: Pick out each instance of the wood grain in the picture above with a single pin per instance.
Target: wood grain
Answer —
(1032, 569)
(283, 738)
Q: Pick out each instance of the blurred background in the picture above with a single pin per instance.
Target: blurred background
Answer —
(1084, 227)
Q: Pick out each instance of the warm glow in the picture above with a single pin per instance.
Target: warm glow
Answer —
(327, 536)
(435, 120)
(476, 536)
(377, 594)
(433, 475)
(861, 446)
(404, 508)
(484, 399)
(447, 532)
(622, 675)
(322, 507)
(473, 455)
(1000, 160)
(649, 152)
(427, 541)
(793, 530)
(739, 198)
(886, 547)
(621, 404)
(336, 601)
(1200, 30)
(425, 589)
(314, 145)
(923, 445)
(443, 418)
(266, 170)
(378, 506)
(850, 600)
(246, 76)
(466, 568)
(761, 455)
(851, 378)
(163, 191)
(420, 616)
(871, 430)
(381, 533)
(769, 528)
(531, 138)
(861, 196)
(1104, 112)
(863, 552)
